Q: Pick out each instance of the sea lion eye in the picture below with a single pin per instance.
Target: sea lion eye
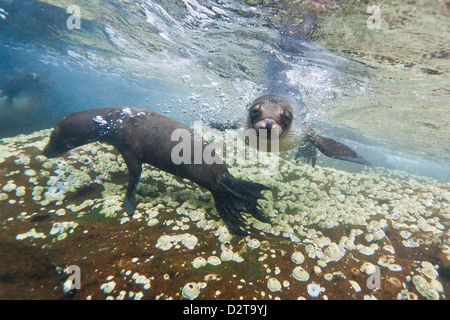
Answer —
(70, 145)
(287, 117)
(255, 110)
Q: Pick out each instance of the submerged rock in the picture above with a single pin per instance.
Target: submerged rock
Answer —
(297, 255)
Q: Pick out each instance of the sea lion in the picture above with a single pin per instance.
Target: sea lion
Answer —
(20, 96)
(142, 136)
(274, 113)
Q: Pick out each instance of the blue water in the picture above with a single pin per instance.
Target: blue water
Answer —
(75, 88)
(188, 60)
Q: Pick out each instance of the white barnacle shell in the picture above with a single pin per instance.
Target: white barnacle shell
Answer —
(297, 257)
(273, 284)
(333, 252)
(164, 242)
(355, 285)
(226, 255)
(10, 186)
(214, 260)
(253, 243)
(189, 241)
(108, 287)
(300, 274)
(368, 268)
(199, 262)
(192, 290)
(314, 289)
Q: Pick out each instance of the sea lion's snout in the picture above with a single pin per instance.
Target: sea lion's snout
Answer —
(49, 150)
(49, 153)
(59, 144)
(46, 152)
(269, 114)
(270, 125)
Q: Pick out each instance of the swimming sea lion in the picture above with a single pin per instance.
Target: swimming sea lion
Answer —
(20, 96)
(274, 113)
(142, 136)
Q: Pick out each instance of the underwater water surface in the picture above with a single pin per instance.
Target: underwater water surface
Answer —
(373, 76)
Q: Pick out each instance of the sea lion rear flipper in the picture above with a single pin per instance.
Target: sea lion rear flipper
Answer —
(234, 196)
(336, 150)
(134, 173)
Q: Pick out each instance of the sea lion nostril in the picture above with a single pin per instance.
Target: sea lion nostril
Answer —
(269, 124)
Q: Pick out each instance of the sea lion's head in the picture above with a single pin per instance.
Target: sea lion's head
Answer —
(271, 113)
(69, 133)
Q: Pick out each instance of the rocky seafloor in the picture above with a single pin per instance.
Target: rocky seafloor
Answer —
(331, 234)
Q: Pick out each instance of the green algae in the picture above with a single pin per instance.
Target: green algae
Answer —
(94, 215)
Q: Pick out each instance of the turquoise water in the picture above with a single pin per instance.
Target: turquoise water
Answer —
(193, 59)
(200, 60)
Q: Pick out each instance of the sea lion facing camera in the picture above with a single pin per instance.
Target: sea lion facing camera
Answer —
(274, 115)
(142, 136)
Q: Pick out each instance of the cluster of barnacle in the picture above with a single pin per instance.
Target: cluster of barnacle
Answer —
(305, 207)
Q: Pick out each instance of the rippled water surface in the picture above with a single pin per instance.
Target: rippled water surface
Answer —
(374, 76)
(385, 82)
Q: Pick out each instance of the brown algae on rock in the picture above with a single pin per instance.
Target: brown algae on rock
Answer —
(330, 231)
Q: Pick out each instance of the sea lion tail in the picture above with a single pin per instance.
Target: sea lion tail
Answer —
(234, 196)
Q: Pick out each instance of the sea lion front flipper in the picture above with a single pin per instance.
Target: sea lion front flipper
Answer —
(134, 173)
(234, 125)
(307, 151)
(336, 150)
(233, 196)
